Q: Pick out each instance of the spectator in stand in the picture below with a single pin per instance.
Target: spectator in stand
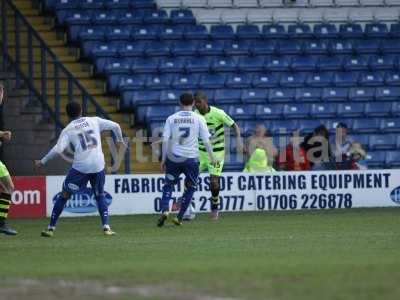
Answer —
(293, 157)
(340, 145)
(318, 149)
(258, 162)
(260, 139)
(356, 155)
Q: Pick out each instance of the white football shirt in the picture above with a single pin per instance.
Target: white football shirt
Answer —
(182, 131)
(83, 136)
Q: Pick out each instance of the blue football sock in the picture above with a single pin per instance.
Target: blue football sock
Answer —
(57, 210)
(166, 196)
(186, 199)
(103, 208)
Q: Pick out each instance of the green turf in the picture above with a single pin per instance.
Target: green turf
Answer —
(341, 254)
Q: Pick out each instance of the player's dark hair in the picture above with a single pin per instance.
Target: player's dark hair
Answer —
(200, 95)
(186, 99)
(74, 110)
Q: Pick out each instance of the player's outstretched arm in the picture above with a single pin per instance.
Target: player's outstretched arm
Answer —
(239, 142)
(1, 93)
(62, 143)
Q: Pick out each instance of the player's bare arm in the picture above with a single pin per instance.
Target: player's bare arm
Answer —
(239, 143)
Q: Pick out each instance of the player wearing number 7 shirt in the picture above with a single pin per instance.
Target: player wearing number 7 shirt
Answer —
(180, 154)
(82, 134)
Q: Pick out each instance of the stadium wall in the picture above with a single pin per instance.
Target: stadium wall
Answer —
(140, 194)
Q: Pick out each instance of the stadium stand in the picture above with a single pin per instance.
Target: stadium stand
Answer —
(296, 65)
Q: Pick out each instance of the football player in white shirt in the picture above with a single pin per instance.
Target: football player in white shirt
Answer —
(82, 134)
(180, 153)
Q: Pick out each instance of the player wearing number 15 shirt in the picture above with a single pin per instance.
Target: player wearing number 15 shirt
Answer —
(180, 154)
(82, 134)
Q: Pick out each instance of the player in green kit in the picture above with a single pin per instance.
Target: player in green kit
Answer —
(216, 120)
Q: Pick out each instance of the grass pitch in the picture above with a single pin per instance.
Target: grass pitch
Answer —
(338, 254)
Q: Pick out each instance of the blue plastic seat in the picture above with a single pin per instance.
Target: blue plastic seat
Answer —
(242, 112)
(284, 127)
(251, 64)
(238, 81)
(390, 125)
(304, 63)
(145, 32)
(335, 94)
(222, 32)
(320, 79)
(387, 93)
(392, 159)
(341, 47)
(307, 126)
(323, 110)
(295, 111)
(316, 47)
(184, 48)
(392, 78)
(171, 65)
(237, 48)
(197, 64)
(254, 96)
(274, 31)
(376, 30)
(182, 16)
(156, 48)
(363, 139)
(185, 81)
(248, 32)
(269, 111)
(281, 95)
(228, 96)
(132, 49)
(370, 46)
(223, 64)
(100, 63)
(171, 33)
(91, 33)
(118, 66)
(351, 30)
(112, 83)
(332, 124)
(390, 46)
(211, 48)
(292, 80)
(277, 64)
(289, 47)
(263, 47)
(118, 33)
(361, 94)
(78, 18)
(369, 125)
(396, 109)
(375, 159)
(212, 81)
(116, 4)
(91, 4)
(155, 17)
(265, 80)
(159, 113)
(104, 50)
(382, 141)
(355, 63)
(104, 18)
(248, 127)
(382, 62)
(170, 96)
(345, 79)
(371, 79)
(156, 82)
(131, 83)
(395, 30)
(142, 4)
(308, 94)
(350, 110)
(66, 4)
(299, 31)
(131, 17)
(195, 32)
(376, 109)
(330, 63)
(145, 65)
(325, 31)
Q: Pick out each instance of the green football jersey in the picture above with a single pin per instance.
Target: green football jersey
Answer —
(216, 119)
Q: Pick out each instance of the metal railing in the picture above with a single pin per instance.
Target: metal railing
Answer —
(44, 72)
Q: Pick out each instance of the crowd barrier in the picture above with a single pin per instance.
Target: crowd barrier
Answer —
(141, 194)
